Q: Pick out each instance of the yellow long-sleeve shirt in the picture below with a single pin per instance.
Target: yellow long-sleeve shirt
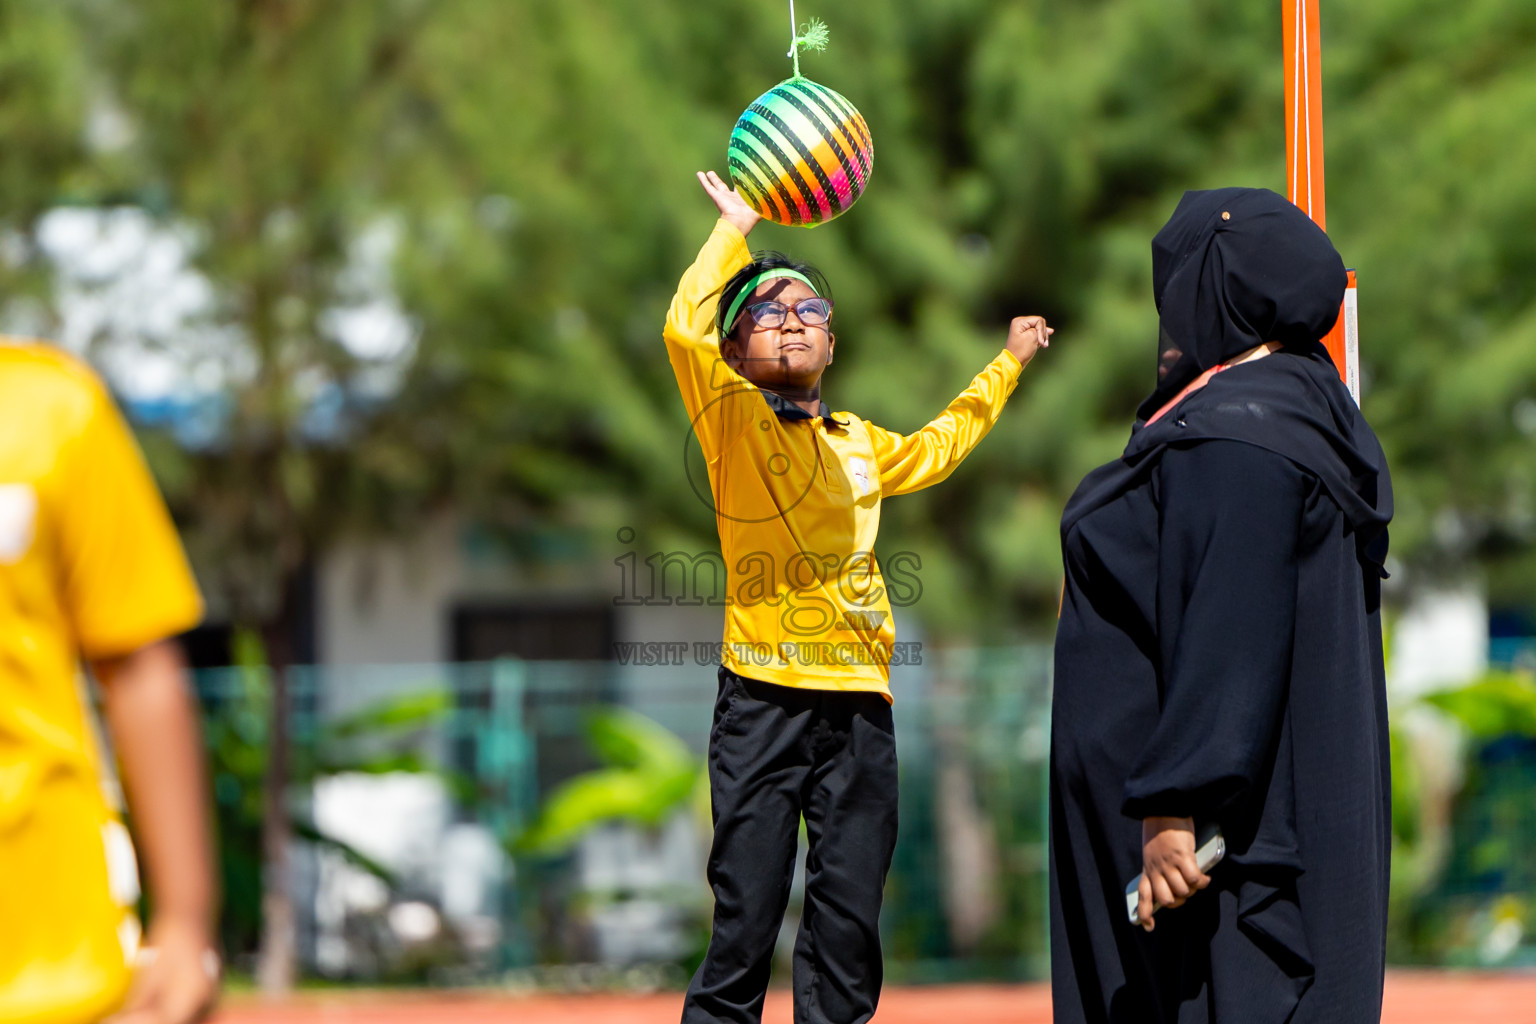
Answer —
(797, 497)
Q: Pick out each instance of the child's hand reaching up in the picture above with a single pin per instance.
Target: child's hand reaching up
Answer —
(1027, 335)
(732, 207)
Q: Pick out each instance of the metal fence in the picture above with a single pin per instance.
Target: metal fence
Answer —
(414, 789)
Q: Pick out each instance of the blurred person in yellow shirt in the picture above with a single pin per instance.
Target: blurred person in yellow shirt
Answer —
(93, 574)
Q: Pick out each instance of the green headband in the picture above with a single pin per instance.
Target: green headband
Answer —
(734, 310)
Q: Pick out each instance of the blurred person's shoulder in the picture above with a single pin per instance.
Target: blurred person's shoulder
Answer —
(40, 379)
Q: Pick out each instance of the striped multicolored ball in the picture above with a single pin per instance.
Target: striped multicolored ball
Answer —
(801, 153)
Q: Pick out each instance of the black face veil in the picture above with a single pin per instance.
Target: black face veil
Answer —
(1232, 269)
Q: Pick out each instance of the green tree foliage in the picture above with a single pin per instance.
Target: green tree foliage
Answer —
(44, 102)
(1025, 154)
(276, 131)
(1023, 157)
(533, 163)
(1428, 124)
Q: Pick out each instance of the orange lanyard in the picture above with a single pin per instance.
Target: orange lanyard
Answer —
(1189, 389)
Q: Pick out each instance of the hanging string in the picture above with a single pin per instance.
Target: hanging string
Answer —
(812, 37)
(794, 39)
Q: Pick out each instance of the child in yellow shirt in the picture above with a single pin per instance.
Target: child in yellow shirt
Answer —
(802, 722)
(92, 572)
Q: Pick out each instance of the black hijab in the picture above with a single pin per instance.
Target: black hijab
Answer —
(1232, 269)
(1235, 268)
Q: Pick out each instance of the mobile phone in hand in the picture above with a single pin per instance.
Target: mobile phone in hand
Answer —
(1210, 847)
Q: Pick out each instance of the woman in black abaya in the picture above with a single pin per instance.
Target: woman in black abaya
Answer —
(1218, 659)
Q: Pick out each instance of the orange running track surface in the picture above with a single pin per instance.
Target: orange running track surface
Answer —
(1412, 998)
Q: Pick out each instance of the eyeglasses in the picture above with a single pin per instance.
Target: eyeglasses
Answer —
(813, 312)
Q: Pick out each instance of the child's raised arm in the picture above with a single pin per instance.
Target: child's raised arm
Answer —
(703, 377)
(913, 461)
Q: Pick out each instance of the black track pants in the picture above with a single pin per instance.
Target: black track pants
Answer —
(776, 753)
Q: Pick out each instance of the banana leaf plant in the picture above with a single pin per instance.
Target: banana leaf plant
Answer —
(382, 737)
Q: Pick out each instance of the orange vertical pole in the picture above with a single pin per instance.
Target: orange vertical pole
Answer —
(1304, 109)
(1304, 177)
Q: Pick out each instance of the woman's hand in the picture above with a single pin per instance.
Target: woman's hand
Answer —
(1170, 874)
(731, 206)
(1028, 335)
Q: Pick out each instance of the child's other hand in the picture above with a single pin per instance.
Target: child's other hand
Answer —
(1028, 335)
(731, 206)
(1169, 872)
